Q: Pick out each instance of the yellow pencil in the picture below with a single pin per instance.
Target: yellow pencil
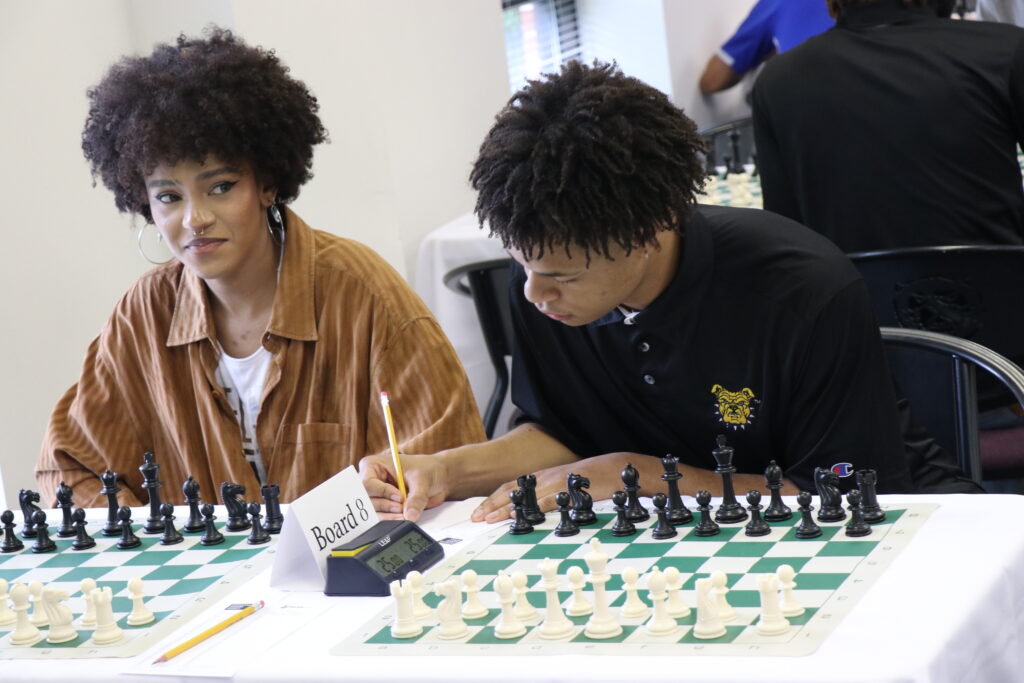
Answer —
(213, 630)
(394, 443)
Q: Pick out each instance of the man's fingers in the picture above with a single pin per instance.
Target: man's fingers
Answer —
(496, 507)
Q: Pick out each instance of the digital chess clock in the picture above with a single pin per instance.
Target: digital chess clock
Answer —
(385, 553)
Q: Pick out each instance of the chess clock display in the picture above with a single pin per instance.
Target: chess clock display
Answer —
(385, 553)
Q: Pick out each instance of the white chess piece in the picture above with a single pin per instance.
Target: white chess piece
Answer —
(556, 624)
(661, 623)
(7, 615)
(602, 624)
(508, 625)
(634, 607)
(674, 584)
(59, 616)
(579, 606)
(449, 612)
(420, 609)
(523, 609)
(88, 617)
(140, 614)
(771, 622)
(38, 617)
(709, 624)
(107, 630)
(473, 608)
(725, 610)
(791, 607)
(405, 624)
(25, 633)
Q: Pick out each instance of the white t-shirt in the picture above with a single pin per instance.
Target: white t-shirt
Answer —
(243, 380)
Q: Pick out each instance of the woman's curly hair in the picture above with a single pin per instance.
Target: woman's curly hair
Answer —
(587, 157)
(200, 96)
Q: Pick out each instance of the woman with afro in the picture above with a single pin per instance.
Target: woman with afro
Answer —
(257, 354)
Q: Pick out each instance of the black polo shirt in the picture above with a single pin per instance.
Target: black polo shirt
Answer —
(765, 334)
(896, 129)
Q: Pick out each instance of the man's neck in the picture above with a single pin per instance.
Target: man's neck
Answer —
(662, 267)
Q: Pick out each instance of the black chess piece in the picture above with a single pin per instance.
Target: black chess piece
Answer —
(128, 538)
(777, 511)
(663, 527)
(274, 519)
(623, 526)
(827, 483)
(230, 492)
(675, 510)
(150, 481)
(520, 525)
(258, 535)
(857, 526)
(566, 527)
(706, 526)
(528, 483)
(67, 527)
(43, 544)
(866, 482)
(110, 490)
(756, 526)
(211, 536)
(635, 512)
(582, 504)
(83, 541)
(190, 489)
(28, 499)
(807, 528)
(730, 511)
(171, 536)
(12, 543)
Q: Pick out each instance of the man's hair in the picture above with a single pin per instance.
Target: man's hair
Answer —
(201, 96)
(943, 8)
(588, 158)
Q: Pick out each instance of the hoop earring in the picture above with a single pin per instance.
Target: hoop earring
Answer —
(159, 238)
(275, 223)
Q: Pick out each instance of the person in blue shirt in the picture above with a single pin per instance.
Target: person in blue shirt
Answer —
(772, 27)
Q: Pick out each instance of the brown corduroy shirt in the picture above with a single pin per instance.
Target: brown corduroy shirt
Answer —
(344, 327)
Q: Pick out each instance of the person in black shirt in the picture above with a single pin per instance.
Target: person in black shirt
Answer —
(647, 325)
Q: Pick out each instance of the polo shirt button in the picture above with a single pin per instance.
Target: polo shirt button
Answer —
(644, 347)
(649, 379)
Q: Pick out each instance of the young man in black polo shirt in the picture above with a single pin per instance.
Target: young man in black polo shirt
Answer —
(646, 325)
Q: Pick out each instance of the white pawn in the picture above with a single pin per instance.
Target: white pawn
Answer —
(473, 608)
(88, 618)
(449, 612)
(25, 633)
(791, 607)
(7, 615)
(107, 630)
(419, 607)
(508, 625)
(771, 622)
(405, 624)
(725, 610)
(709, 624)
(556, 624)
(140, 613)
(579, 606)
(59, 616)
(523, 609)
(634, 606)
(661, 623)
(674, 584)
(38, 618)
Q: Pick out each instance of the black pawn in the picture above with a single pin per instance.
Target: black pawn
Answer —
(128, 538)
(258, 534)
(520, 525)
(83, 541)
(171, 536)
(622, 527)
(12, 543)
(28, 499)
(528, 483)
(873, 512)
(274, 519)
(663, 528)
(212, 536)
(808, 528)
(857, 526)
(777, 511)
(150, 473)
(756, 526)
(730, 511)
(67, 527)
(635, 512)
(706, 526)
(43, 544)
(110, 490)
(566, 527)
(190, 489)
(675, 510)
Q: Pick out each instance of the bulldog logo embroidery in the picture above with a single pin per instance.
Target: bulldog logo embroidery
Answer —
(735, 409)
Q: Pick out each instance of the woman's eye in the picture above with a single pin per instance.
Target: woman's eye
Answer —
(221, 188)
(565, 282)
(167, 197)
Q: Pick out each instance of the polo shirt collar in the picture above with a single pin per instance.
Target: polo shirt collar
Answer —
(883, 12)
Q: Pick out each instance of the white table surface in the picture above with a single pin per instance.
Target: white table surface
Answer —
(949, 608)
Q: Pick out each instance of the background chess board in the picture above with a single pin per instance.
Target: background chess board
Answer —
(181, 581)
(833, 571)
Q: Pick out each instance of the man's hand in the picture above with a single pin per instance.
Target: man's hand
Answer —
(426, 483)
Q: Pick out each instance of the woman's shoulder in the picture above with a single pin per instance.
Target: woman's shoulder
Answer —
(150, 299)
